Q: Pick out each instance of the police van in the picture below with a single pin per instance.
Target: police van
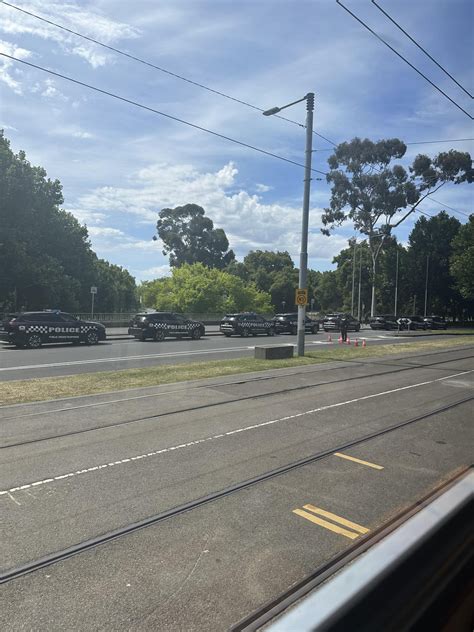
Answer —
(33, 329)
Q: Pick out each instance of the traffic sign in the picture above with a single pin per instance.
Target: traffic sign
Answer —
(404, 321)
(93, 289)
(301, 297)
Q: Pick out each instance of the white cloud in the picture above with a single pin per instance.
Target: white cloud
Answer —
(262, 188)
(247, 221)
(71, 15)
(6, 65)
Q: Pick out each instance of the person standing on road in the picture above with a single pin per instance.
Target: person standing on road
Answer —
(344, 325)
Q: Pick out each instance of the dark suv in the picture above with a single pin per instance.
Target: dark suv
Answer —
(383, 322)
(32, 329)
(332, 322)
(435, 322)
(246, 324)
(412, 322)
(159, 325)
(288, 323)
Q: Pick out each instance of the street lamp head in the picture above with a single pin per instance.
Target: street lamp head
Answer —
(271, 111)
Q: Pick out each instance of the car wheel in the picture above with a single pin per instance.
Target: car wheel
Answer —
(271, 332)
(92, 337)
(357, 328)
(294, 330)
(315, 330)
(325, 331)
(196, 334)
(245, 332)
(159, 335)
(34, 341)
(227, 335)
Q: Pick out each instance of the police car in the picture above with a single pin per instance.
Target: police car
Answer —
(32, 329)
(159, 325)
(246, 324)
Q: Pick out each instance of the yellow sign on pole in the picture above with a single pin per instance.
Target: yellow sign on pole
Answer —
(301, 297)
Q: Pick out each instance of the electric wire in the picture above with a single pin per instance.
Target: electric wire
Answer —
(155, 67)
(393, 21)
(366, 26)
(419, 142)
(154, 111)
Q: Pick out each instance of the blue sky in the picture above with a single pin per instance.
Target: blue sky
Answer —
(120, 165)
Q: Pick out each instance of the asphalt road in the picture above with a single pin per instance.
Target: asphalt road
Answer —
(78, 469)
(115, 354)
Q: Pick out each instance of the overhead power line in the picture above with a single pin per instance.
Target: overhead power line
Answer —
(366, 26)
(420, 142)
(154, 111)
(155, 67)
(421, 48)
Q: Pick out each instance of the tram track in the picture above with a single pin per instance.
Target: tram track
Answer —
(276, 606)
(91, 543)
(303, 387)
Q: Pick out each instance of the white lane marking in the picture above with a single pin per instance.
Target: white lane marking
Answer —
(125, 358)
(225, 434)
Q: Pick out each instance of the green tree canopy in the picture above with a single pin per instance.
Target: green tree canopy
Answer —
(371, 191)
(46, 258)
(198, 289)
(462, 260)
(190, 237)
(431, 238)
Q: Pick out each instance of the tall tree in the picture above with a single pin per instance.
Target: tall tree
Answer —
(430, 246)
(190, 237)
(462, 259)
(46, 258)
(372, 192)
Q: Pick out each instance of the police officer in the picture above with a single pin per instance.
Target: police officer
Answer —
(344, 325)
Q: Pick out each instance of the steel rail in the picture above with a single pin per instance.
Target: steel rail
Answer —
(91, 543)
(223, 403)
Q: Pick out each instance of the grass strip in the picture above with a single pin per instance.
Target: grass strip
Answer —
(40, 389)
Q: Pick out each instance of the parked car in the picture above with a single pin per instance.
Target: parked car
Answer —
(160, 325)
(435, 322)
(332, 322)
(412, 322)
(288, 323)
(383, 322)
(33, 329)
(246, 324)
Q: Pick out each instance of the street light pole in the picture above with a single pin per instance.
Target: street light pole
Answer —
(353, 276)
(396, 286)
(426, 282)
(302, 282)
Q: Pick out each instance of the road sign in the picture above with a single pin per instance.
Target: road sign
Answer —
(301, 297)
(93, 289)
(404, 321)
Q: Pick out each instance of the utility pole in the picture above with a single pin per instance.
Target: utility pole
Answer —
(414, 304)
(360, 283)
(426, 282)
(302, 281)
(353, 277)
(396, 286)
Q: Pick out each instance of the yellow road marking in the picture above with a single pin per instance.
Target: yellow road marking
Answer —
(331, 516)
(352, 458)
(327, 525)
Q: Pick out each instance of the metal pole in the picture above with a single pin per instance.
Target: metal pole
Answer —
(414, 304)
(353, 277)
(396, 286)
(92, 307)
(426, 282)
(305, 219)
(360, 283)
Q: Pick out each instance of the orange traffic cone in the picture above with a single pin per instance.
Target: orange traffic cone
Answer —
(348, 340)
(329, 338)
(364, 344)
(340, 340)
(356, 343)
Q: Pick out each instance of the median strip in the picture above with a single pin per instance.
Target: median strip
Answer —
(41, 389)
